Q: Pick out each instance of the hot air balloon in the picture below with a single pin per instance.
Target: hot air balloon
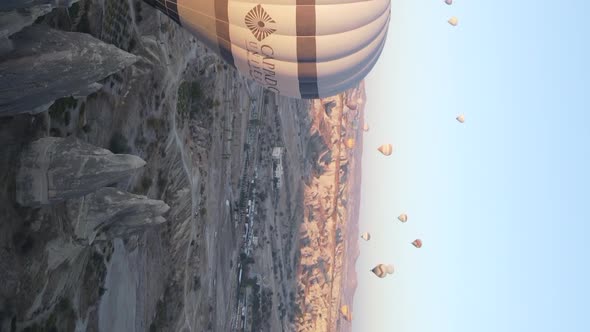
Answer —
(461, 118)
(345, 311)
(449, 2)
(383, 270)
(366, 236)
(386, 149)
(366, 127)
(417, 243)
(403, 217)
(301, 49)
(453, 21)
(350, 143)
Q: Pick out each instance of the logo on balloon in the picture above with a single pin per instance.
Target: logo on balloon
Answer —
(259, 23)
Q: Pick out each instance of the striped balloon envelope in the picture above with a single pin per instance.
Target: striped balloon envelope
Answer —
(403, 217)
(383, 270)
(297, 48)
(366, 236)
(386, 149)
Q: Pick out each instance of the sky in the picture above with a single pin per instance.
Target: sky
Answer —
(501, 201)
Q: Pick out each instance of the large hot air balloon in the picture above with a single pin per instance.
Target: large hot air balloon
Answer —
(302, 49)
(366, 236)
(383, 270)
(461, 118)
(403, 217)
(417, 243)
(350, 143)
(453, 21)
(386, 149)
(366, 127)
(345, 311)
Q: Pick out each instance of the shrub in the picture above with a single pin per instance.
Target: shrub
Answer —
(195, 90)
(118, 144)
(23, 242)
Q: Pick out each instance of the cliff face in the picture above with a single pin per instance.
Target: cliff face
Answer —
(329, 234)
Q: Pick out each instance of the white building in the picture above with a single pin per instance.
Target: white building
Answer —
(277, 155)
(278, 174)
(277, 152)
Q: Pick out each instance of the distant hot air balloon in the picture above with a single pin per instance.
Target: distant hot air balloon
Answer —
(383, 270)
(417, 243)
(345, 311)
(386, 149)
(461, 118)
(366, 236)
(403, 217)
(366, 127)
(453, 21)
(301, 49)
(389, 269)
(449, 2)
(350, 143)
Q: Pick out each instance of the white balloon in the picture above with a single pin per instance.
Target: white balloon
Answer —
(302, 49)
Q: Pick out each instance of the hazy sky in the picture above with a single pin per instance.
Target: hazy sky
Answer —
(501, 202)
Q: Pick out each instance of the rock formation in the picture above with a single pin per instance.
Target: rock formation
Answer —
(110, 213)
(9, 5)
(14, 21)
(56, 169)
(18, 14)
(46, 64)
(328, 242)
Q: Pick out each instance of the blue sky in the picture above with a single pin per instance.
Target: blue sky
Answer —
(501, 202)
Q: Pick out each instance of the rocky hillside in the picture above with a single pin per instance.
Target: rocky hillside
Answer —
(143, 193)
(116, 178)
(329, 233)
